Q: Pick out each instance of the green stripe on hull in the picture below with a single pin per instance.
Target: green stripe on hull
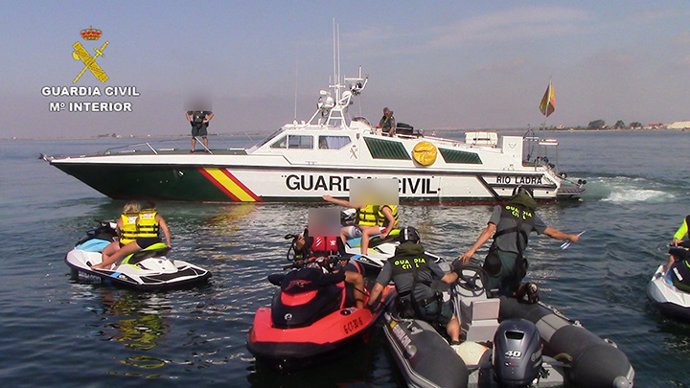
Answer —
(141, 182)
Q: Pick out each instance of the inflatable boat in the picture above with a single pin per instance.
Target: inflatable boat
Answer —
(506, 342)
(667, 292)
(147, 270)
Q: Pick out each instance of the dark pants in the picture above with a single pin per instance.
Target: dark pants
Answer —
(680, 274)
(504, 274)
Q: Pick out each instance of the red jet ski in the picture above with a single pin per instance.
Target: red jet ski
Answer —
(313, 315)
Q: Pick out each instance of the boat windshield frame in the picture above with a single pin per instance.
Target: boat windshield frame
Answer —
(267, 139)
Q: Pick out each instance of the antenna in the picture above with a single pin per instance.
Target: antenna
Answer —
(296, 74)
(335, 67)
(337, 27)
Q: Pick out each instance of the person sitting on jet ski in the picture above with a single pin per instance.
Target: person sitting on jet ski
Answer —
(412, 273)
(138, 229)
(369, 221)
(352, 271)
(510, 226)
(681, 272)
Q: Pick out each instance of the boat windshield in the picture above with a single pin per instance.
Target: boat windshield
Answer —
(267, 139)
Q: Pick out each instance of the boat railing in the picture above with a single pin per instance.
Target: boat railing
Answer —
(164, 146)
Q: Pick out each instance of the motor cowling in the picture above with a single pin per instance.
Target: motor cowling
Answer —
(517, 353)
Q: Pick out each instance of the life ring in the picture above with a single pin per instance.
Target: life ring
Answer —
(424, 153)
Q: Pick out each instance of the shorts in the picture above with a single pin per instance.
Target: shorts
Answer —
(353, 266)
(353, 231)
(145, 242)
(199, 130)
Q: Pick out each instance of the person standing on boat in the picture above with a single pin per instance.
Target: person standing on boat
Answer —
(387, 122)
(199, 120)
(510, 226)
(138, 229)
(370, 220)
(413, 272)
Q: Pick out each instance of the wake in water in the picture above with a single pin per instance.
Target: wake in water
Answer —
(623, 189)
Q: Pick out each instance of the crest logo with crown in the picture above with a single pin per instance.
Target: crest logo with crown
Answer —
(81, 54)
(91, 33)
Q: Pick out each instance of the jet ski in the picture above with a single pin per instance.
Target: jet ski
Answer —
(506, 342)
(146, 270)
(666, 290)
(312, 316)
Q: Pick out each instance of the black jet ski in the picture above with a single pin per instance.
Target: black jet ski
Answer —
(149, 269)
(312, 316)
(667, 290)
(506, 342)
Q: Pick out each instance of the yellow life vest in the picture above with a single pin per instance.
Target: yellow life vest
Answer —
(138, 225)
(128, 230)
(372, 215)
(147, 224)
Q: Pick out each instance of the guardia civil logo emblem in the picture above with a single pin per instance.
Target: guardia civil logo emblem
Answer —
(81, 54)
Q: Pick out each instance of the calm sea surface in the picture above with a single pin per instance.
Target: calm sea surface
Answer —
(54, 331)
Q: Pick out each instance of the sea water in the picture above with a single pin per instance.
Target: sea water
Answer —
(55, 331)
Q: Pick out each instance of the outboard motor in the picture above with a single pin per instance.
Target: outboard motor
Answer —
(517, 357)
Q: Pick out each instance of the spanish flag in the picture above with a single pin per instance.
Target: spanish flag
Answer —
(548, 102)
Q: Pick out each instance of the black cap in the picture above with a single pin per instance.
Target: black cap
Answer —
(409, 233)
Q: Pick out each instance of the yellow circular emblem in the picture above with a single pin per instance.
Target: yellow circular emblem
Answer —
(424, 153)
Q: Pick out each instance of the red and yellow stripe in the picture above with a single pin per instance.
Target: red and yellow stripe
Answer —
(229, 184)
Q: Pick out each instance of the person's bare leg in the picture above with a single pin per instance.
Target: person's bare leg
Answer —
(343, 235)
(669, 263)
(109, 250)
(205, 141)
(453, 329)
(357, 281)
(193, 143)
(119, 255)
(366, 233)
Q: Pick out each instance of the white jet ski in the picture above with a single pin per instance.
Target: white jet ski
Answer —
(667, 292)
(147, 270)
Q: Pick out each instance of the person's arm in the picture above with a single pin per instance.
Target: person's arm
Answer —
(208, 117)
(118, 228)
(391, 221)
(336, 201)
(680, 233)
(164, 228)
(450, 278)
(489, 231)
(558, 235)
(382, 279)
(188, 116)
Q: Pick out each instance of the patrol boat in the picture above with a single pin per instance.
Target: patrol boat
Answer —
(304, 160)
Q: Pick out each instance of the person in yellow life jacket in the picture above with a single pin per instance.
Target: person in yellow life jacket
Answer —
(369, 221)
(138, 229)
(678, 240)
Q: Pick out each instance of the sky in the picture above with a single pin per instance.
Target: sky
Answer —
(438, 65)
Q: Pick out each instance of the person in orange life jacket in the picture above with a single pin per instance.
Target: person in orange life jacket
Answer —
(353, 273)
(370, 220)
(138, 229)
(413, 272)
(510, 226)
